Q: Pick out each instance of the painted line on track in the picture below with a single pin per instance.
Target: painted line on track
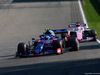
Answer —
(82, 13)
(98, 40)
(83, 16)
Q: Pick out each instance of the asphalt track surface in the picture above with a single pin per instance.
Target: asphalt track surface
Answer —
(22, 20)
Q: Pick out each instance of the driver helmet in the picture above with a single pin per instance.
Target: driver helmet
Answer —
(50, 32)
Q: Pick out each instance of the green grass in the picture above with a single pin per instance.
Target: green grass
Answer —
(92, 12)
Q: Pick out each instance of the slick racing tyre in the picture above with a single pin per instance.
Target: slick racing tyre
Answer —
(21, 49)
(93, 34)
(90, 33)
(86, 34)
(73, 43)
(73, 34)
(57, 45)
(63, 35)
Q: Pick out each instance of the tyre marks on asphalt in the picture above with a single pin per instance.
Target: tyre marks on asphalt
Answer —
(75, 12)
(89, 45)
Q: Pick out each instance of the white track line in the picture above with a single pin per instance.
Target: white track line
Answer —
(84, 18)
(82, 13)
(98, 40)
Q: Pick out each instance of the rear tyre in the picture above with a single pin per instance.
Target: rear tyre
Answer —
(90, 33)
(73, 34)
(63, 35)
(73, 43)
(57, 45)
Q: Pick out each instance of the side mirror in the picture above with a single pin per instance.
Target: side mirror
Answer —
(33, 38)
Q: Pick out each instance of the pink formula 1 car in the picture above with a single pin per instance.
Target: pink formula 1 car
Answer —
(81, 32)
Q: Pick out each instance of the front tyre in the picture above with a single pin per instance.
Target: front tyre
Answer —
(93, 34)
(21, 49)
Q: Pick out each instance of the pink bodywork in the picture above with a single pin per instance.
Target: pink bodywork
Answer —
(78, 29)
(79, 35)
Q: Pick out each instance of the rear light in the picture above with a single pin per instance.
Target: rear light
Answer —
(58, 50)
(66, 39)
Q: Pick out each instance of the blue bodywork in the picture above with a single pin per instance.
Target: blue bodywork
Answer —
(60, 31)
(48, 44)
(38, 45)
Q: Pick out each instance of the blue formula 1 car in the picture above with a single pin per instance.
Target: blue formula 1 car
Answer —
(49, 43)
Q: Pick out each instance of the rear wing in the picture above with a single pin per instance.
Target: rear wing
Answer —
(75, 25)
(58, 31)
